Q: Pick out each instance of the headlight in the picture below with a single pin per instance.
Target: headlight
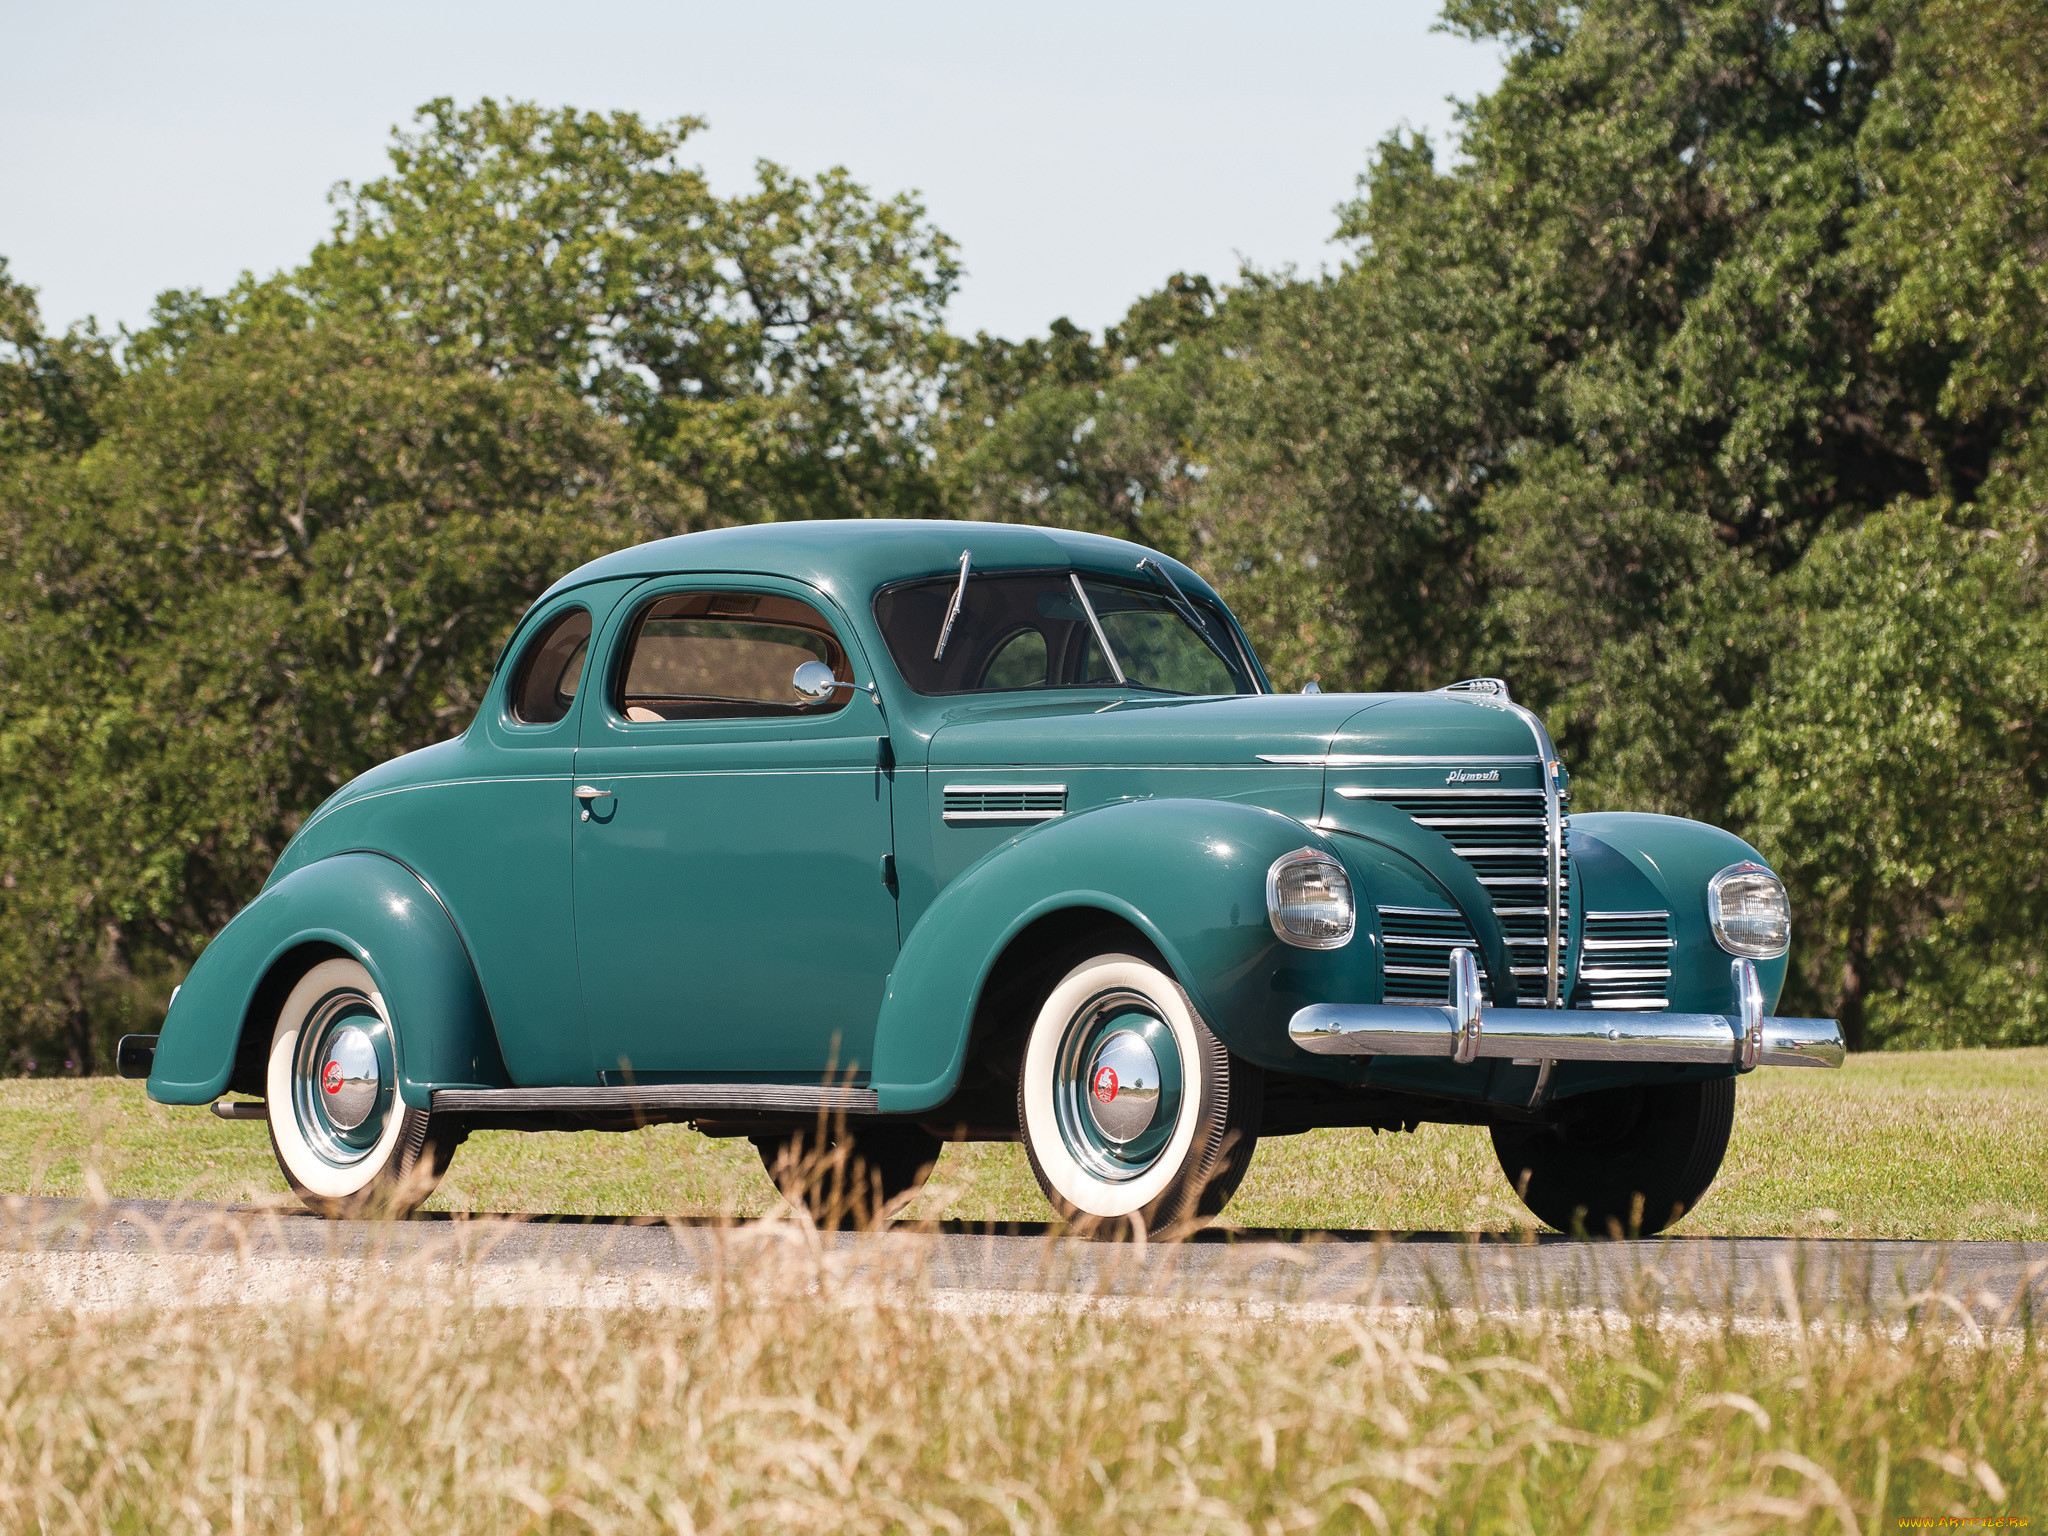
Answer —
(1308, 900)
(1747, 906)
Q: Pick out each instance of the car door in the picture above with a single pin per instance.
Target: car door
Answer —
(735, 911)
(493, 839)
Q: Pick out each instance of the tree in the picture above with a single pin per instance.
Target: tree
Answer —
(782, 349)
(291, 554)
(1895, 767)
(50, 386)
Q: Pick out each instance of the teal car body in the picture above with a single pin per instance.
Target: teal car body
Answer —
(847, 894)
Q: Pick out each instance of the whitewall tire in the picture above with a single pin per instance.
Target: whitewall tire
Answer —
(348, 1145)
(1133, 1112)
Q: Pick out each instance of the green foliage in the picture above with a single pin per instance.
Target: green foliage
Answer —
(291, 554)
(781, 348)
(1896, 762)
(50, 386)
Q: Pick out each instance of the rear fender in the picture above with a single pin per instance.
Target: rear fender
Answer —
(1188, 874)
(361, 904)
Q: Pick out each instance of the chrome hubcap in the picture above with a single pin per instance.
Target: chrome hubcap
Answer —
(1123, 1086)
(343, 1078)
(1117, 1085)
(349, 1078)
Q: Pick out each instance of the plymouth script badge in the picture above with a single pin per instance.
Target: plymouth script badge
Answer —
(1468, 776)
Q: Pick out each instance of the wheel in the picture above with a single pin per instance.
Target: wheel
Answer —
(347, 1144)
(853, 1174)
(1627, 1162)
(1133, 1112)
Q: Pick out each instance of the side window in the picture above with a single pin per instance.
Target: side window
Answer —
(544, 687)
(726, 655)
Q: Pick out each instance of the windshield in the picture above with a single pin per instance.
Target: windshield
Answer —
(1050, 629)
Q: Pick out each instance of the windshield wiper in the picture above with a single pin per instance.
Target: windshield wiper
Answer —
(953, 608)
(1190, 612)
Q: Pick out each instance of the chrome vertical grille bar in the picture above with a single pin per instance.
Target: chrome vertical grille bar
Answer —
(1554, 833)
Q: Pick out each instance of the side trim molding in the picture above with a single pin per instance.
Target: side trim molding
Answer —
(774, 1098)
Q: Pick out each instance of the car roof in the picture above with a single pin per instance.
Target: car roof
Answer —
(852, 558)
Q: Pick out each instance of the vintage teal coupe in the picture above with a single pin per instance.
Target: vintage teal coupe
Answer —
(896, 832)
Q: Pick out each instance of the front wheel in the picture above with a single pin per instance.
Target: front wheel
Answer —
(1133, 1111)
(1627, 1162)
(348, 1145)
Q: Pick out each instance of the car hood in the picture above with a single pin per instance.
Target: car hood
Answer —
(1247, 729)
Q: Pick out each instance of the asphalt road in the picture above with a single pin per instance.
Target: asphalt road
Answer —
(139, 1246)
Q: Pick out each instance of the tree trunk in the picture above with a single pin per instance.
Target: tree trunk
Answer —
(1856, 976)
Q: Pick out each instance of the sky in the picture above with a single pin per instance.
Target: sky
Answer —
(1078, 153)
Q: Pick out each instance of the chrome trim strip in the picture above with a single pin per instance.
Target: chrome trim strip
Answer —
(669, 1097)
(1383, 792)
(1001, 815)
(1565, 1034)
(1393, 759)
(1658, 914)
(1003, 789)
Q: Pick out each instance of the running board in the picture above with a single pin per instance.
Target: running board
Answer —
(661, 1098)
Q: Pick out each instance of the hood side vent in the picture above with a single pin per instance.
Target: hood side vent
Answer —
(968, 804)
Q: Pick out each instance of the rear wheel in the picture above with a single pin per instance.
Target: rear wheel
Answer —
(348, 1145)
(1624, 1163)
(1133, 1112)
(850, 1174)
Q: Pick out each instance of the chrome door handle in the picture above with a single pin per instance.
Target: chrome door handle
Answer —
(586, 794)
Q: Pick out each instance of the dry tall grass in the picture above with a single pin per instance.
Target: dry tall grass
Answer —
(780, 1397)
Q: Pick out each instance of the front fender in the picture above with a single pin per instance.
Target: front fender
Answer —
(1677, 857)
(1188, 874)
(365, 905)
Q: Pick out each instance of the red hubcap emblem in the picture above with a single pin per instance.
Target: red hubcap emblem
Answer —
(331, 1078)
(1105, 1085)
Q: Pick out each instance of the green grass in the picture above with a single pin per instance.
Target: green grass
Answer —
(1943, 1145)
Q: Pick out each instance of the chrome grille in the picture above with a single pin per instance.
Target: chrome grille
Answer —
(1624, 961)
(1500, 834)
(1419, 941)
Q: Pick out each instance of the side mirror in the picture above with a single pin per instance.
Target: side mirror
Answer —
(814, 680)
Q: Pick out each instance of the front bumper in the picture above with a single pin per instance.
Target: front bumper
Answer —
(1466, 1031)
(1563, 1034)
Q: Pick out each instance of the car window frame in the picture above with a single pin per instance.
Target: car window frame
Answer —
(619, 628)
(518, 649)
(526, 655)
(1137, 582)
